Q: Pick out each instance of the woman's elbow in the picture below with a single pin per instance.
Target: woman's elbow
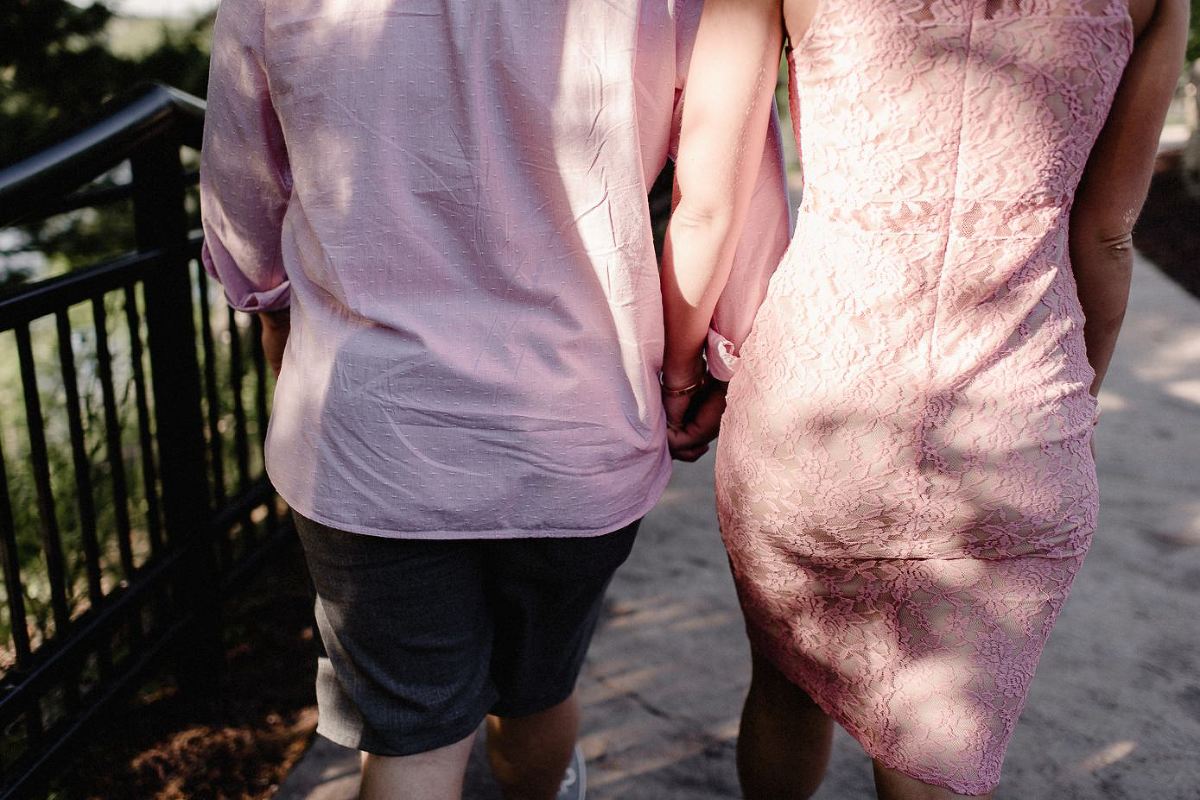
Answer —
(1107, 225)
(709, 218)
(1110, 239)
(703, 214)
(1117, 242)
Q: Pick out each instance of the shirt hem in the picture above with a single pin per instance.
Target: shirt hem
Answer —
(652, 498)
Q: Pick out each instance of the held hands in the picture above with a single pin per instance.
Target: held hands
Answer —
(276, 325)
(694, 412)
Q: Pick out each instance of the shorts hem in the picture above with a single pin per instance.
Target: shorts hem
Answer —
(501, 709)
(409, 746)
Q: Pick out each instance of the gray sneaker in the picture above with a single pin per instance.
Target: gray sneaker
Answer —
(574, 783)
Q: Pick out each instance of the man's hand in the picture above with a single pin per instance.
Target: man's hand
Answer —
(276, 325)
(691, 426)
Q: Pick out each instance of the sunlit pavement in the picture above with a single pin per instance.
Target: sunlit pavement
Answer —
(1114, 711)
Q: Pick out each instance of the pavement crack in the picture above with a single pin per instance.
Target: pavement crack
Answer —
(640, 700)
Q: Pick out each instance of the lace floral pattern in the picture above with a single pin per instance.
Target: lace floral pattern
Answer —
(905, 484)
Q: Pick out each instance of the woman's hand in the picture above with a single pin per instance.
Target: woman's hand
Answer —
(276, 325)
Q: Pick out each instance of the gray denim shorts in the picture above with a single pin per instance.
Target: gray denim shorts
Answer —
(424, 638)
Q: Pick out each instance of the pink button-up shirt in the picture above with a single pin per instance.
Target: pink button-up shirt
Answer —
(451, 195)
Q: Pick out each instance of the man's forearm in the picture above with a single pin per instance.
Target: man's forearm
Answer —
(276, 326)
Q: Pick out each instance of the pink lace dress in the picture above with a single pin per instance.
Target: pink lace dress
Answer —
(904, 479)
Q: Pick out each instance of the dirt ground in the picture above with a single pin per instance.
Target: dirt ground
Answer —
(162, 747)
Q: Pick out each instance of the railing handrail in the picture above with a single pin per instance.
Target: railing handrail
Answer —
(154, 110)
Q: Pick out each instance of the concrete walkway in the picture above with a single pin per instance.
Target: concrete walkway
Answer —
(1114, 712)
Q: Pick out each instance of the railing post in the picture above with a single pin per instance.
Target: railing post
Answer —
(161, 222)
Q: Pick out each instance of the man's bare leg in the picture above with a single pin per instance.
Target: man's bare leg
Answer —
(435, 775)
(529, 755)
(785, 738)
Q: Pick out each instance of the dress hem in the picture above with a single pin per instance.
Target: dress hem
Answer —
(761, 642)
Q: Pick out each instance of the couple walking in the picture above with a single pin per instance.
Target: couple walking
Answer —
(486, 372)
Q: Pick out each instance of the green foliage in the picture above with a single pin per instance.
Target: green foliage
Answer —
(59, 64)
(1193, 48)
(51, 56)
(57, 67)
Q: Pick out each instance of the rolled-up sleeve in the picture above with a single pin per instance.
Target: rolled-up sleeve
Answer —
(245, 177)
(765, 237)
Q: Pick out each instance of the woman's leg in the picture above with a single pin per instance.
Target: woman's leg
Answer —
(893, 785)
(785, 738)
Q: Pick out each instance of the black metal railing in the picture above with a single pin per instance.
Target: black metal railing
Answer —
(132, 492)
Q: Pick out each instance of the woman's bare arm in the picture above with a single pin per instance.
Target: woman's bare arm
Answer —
(734, 65)
(1118, 174)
